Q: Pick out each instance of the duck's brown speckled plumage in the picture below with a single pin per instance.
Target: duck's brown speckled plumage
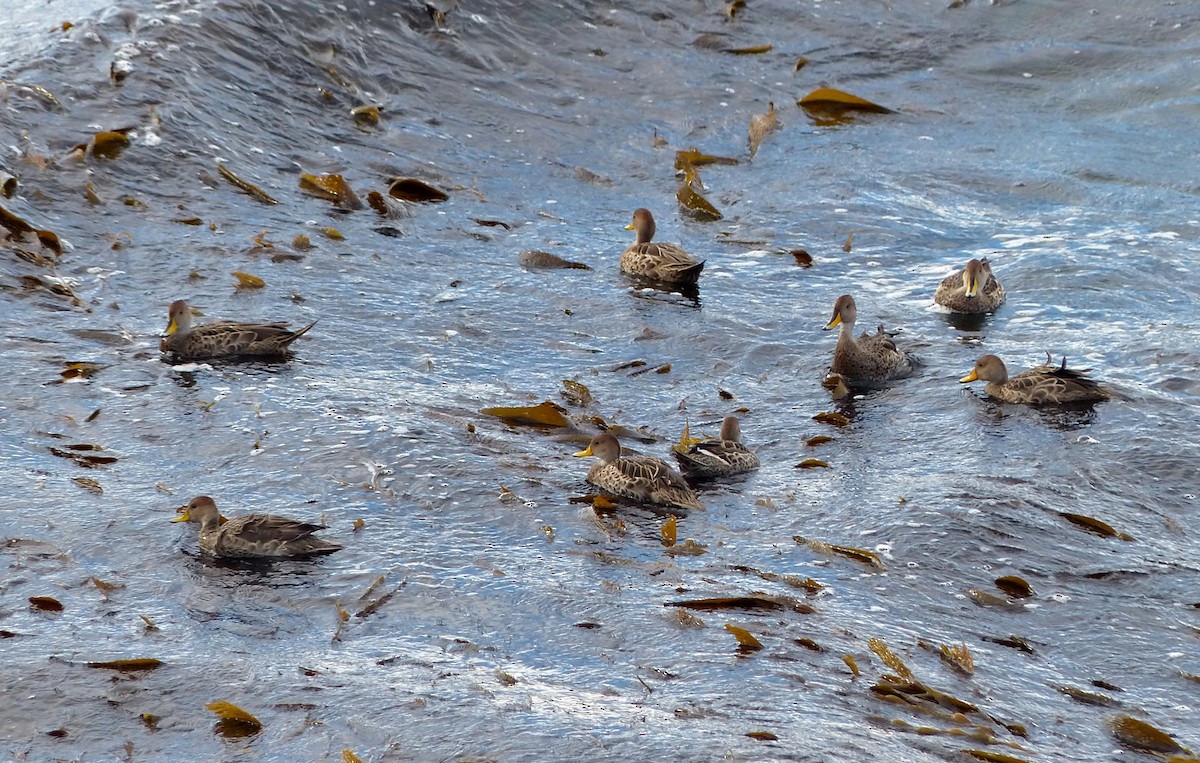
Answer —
(971, 290)
(253, 535)
(642, 478)
(868, 358)
(668, 263)
(1045, 385)
(722, 457)
(225, 339)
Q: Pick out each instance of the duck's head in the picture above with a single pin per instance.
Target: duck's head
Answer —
(179, 317)
(975, 276)
(643, 223)
(844, 311)
(201, 510)
(988, 368)
(731, 429)
(604, 447)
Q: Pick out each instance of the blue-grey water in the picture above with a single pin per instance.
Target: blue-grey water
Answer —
(1057, 139)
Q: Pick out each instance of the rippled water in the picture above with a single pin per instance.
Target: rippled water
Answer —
(1058, 141)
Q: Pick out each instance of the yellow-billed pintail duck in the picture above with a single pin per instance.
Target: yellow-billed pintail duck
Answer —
(224, 339)
(642, 478)
(1046, 384)
(668, 263)
(253, 535)
(868, 357)
(722, 457)
(971, 290)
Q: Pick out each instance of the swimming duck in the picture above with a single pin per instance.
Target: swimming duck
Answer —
(660, 262)
(224, 338)
(722, 457)
(1046, 384)
(642, 478)
(867, 358)
(972, 290)
(254, 535)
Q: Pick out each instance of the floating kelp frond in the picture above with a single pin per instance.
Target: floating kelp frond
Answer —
(795, 581)
(695, 205)
(958, 656)
(249, 188)
(46, 603)
(812, 463)
(695, 158)
(985, 599)
(576, 393)
(827, 105)
(750, 50)
(1140, 735)
(833, 419)
(668, 531)
(411, 189)
(247, 280)
(137, 663)
(850, 552)
(1014, 586)
(1093, 525)
(1088, 697)
(889, 658)
(994, 757)
(818, 440)
(743, 602)
(331, 187)
(745, 638)
(367, 115)
(89, 484)
(545, 414)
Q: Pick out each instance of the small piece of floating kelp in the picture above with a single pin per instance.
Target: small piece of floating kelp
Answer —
(79, 454)
(544, 414)
(913, 692)
(1140, 735)
(8, 184)
(958, 656)
(1087, 697)
(749, 50)
(254, 191)
(994, 757)
(889, 658)
(411, 189)
(696, 158)
(1093, 525)
(696, 206)
(576, 393)
(985, 599)
(17, 227)
(743, 602)
(857, 554)
(247, 280)
(235, 722)
(137, 663)
(1015, 586)
(795, 581)
(46, 603)
(367, 115)
(534, 259)
(331, 187)
(827, 105)
(833, 419)
(745, 639)
(107, 143)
